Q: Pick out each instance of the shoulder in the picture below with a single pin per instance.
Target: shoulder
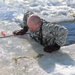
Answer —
(57, 26)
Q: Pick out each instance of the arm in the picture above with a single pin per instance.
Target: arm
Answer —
(61, 36)
(25, 27)
(60, 39)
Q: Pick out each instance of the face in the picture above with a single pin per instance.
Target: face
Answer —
(33, 27)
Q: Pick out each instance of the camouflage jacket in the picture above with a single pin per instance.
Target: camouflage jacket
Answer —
(48, 34)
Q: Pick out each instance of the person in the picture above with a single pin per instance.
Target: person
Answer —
(51, 36)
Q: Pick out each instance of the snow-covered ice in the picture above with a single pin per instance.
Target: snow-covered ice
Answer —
(17, 53)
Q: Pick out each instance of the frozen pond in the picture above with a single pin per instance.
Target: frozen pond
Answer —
(21, 55)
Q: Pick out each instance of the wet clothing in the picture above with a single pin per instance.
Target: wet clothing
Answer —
(48, 34)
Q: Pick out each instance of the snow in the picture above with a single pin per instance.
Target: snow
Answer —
(17, 54)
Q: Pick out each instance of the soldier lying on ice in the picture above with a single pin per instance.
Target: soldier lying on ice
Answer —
(51, 36)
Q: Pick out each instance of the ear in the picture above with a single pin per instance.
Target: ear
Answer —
(39, 24)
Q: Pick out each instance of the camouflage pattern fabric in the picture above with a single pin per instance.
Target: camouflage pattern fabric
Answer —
(51, 33)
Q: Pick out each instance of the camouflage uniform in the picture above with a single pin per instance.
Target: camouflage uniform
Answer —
(48, 34)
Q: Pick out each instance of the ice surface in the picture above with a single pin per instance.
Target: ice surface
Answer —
(61, 62)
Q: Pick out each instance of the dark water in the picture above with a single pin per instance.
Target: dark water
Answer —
(71, 32)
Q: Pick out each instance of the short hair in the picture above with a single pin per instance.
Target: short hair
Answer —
(34, 18)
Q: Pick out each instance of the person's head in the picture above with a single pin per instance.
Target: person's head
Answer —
(34, 22)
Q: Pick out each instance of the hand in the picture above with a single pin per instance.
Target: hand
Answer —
(19, 32)
(51, 48)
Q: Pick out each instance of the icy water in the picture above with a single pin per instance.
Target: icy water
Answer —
(71, 32)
